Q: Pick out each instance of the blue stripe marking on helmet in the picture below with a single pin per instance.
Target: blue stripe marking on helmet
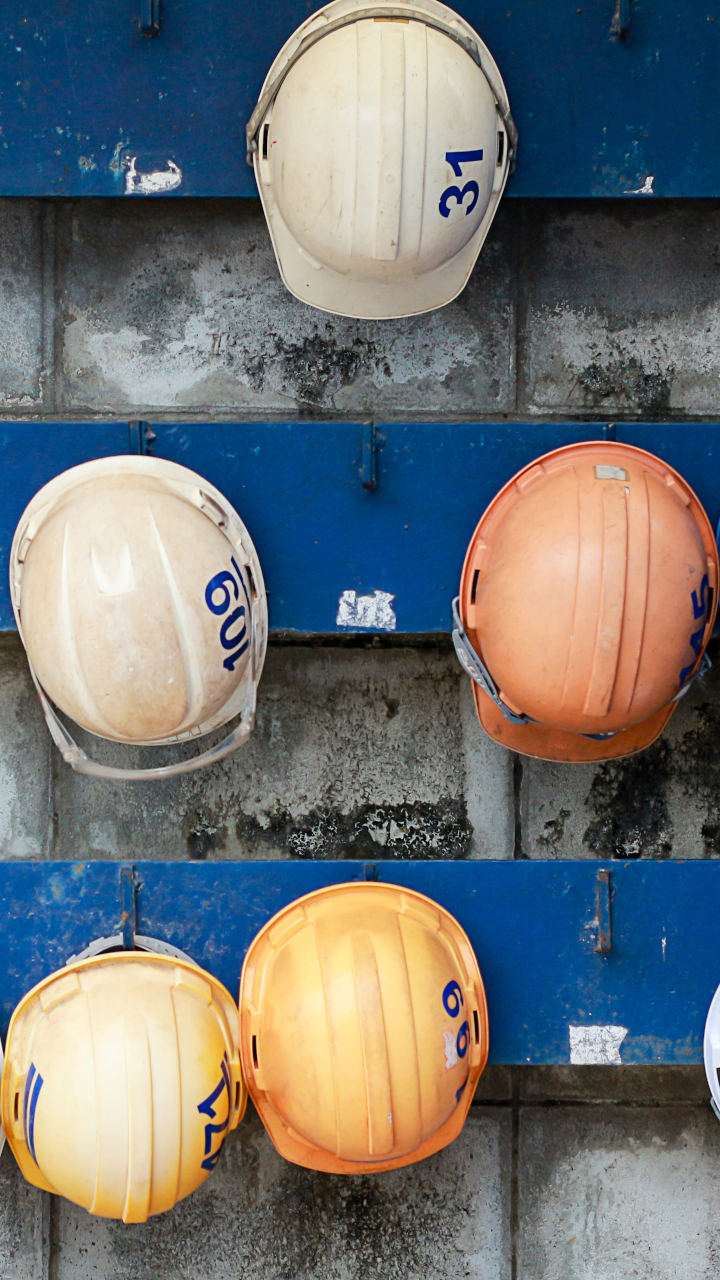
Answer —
(32, 1092)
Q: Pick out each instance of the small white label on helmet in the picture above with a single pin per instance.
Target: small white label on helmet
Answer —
(610, 473)
(373, 612)
(450, 1045)
(596, 1046)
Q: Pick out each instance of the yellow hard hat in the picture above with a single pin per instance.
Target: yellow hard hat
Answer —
(121, 1081)
(363, 1028)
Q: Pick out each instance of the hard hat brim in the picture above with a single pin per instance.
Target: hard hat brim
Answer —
(328, 290)
(545, 743)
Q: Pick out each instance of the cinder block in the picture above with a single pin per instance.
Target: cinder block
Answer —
(356, 753)
(613, 1193)
(25, 796)
(179, 305)
(621, 306)
(24, 1220)
(663, 802)
(489, 785)
(264, 1219)
(21, 304)
(611, 1084)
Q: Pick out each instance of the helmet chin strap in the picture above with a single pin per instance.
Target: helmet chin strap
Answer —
(476, 669)
(472, 663)
(82, 763)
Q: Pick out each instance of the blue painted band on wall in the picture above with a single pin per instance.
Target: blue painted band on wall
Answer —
(392, 554)
(533, 925)
(90, 106)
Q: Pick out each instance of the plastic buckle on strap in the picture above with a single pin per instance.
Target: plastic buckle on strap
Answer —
(704, 666)
(472, 663)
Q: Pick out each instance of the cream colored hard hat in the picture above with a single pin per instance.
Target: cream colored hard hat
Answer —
(140, 600)
(121, 1082)
(363, 1028)
(381, 144)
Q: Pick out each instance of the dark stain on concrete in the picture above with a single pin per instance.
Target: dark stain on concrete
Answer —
(204, 834)
(629, 799)
(265, 1219)
(317, 365)
(553, 831)
(420, 830)
(627, 380)
(698, 768)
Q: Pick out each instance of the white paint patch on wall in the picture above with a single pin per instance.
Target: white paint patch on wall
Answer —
(374, 612)
(596, 1046)
(157, 183)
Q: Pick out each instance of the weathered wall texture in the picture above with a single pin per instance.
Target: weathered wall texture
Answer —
(150, 309)
(575, 309)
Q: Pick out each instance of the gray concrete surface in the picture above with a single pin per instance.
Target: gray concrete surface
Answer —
(574, 309)
(621, 308)
(26, 314)
(356, 753)
(260, 1218)
(26, 811)
(615, 1193)
(180, 306)
(24, 1225)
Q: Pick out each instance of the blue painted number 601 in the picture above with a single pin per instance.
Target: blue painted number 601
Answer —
(218, 600)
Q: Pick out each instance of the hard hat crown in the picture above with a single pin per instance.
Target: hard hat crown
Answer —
(363, 1028)
(588, 592)
(121, 1082)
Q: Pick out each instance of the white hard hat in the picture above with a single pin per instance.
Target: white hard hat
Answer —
(140, 600)
(121, 1081)
(711, 1051)
(381, 142)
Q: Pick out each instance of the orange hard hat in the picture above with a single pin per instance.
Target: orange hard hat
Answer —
(363, 1028)
(587, 598)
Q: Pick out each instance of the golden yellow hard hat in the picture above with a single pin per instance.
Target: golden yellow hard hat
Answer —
(363, 1028)
(121, 1081)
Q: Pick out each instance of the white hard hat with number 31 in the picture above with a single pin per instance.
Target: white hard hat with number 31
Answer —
(381, 144)
(140, 600)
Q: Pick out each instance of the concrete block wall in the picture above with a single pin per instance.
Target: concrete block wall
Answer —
(370, 747)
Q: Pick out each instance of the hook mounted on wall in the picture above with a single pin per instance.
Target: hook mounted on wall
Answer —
(150, 17)
(620, 25)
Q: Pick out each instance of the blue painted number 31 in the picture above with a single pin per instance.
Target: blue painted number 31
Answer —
(456, 159)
